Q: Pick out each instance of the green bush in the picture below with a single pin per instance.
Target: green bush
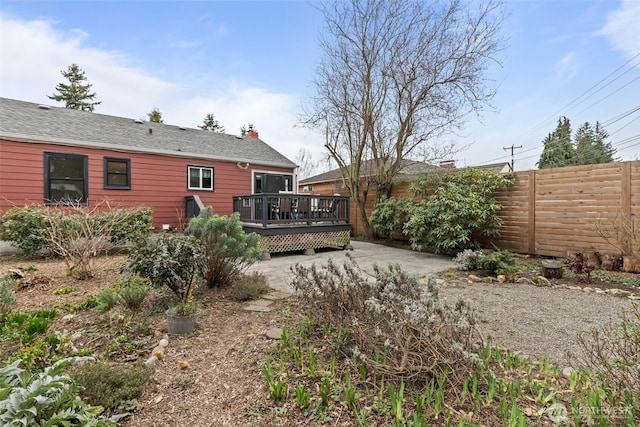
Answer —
(24, 228)
(132, 292)
(388, 214)
(228, 250)
(249, 287)
(455, 209)
(29, 228)
(106, 299)
(49, 398)
(111, 385)
(172, 260)
(7, 295)
(497, 262)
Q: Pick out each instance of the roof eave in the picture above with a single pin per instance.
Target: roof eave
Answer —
(115, 147)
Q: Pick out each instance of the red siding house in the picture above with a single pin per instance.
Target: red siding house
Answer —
(52, 154)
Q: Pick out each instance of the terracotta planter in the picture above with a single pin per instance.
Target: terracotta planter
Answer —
(181, 325)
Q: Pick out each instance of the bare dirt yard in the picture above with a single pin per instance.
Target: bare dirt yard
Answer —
(223, 384)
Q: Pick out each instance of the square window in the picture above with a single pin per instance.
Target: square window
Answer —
(117, 173)
(200, 178)
(65, 178)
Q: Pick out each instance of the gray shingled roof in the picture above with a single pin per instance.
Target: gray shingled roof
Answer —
(26, 121)
(409, 167)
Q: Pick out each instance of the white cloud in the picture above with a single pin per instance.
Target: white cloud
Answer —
(622, 28)
(33, 54)
(30, 70)
(567, 67)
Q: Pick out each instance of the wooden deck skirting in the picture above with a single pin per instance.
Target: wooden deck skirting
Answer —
(275, 243)
(292, 222)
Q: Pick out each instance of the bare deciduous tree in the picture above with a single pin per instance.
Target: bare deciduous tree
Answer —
(396, 77)
(307, 165)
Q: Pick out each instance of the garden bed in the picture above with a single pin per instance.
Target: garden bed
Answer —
(223, 383)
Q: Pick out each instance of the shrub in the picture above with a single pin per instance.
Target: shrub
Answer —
(47, 398)
(7, 295)
(456, 208)
(581, 268)
(228, 250)
(23, 227)
(172, 260)
(613, 353)
(497, 262)
(111, 385)
(420, 335)
(106, 299)
(386, 217)
(249, 287)
(77, 234)
(132, 292)
(465, 260)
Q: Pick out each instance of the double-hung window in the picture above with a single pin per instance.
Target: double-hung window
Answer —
(65, 178)
(117, 173)
(200, 178)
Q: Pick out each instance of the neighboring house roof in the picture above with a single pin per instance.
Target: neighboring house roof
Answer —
(502, 167)
(409, 167)
(30, 122)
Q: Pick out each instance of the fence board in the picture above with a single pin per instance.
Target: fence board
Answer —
(552, 211)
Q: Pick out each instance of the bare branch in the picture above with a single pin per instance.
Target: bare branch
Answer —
(397, 77)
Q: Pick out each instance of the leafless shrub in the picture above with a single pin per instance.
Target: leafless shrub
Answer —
(613, 352)
(397, 326)
(623, 233)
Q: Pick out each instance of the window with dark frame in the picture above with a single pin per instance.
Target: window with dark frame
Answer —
(117, 173)
(200, 178)
(65, 178)
(264, 182)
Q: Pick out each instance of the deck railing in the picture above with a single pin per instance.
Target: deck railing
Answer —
(291, 209)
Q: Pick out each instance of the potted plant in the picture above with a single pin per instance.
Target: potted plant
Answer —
(174, 261)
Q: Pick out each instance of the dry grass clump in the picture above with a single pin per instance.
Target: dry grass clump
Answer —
(395, 325)
(613, 352)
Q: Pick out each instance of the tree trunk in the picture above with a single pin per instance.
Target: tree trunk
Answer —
(362, 213)
(551, 269)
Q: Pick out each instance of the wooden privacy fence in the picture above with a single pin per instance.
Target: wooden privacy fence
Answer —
(554, 211)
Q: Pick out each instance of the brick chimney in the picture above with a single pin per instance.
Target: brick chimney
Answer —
(251, 134)
(448, 164)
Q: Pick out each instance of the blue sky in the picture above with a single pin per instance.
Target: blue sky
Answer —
(253, 62)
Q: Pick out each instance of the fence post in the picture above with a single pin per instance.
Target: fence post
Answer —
(532, 212)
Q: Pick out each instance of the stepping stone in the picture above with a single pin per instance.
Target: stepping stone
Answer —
(274, 333)
(275, 296)
(262, 302)
(258, 308)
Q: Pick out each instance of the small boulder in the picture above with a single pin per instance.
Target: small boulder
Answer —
(274, 333)
(473, 278)
(541, 281)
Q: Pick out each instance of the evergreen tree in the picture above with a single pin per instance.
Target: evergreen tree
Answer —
(210, 123)
(155, 116)
(558, 150)
(75, 95)
(603, 151)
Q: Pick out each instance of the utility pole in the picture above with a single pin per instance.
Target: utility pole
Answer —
(513, 147)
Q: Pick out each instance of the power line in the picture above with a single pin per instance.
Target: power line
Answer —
(564, 108)
(578, 100)
(513, 147)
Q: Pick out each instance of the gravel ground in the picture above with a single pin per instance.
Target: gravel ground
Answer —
(539, 322)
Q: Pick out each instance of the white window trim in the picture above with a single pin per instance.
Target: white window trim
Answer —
(200, 168)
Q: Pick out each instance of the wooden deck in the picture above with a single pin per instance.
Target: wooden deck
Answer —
(289, 222)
